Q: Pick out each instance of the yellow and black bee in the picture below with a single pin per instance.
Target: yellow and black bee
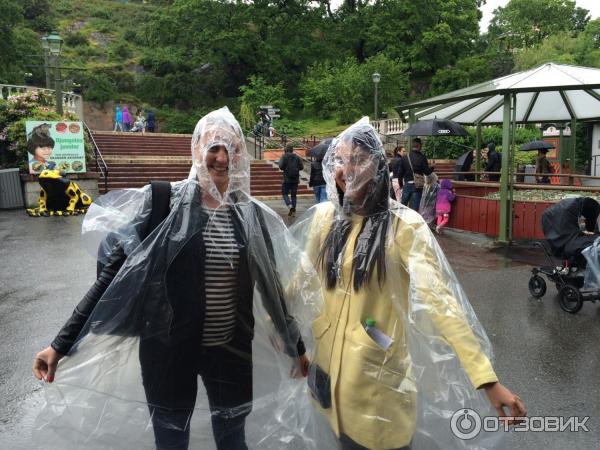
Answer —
(59, 196)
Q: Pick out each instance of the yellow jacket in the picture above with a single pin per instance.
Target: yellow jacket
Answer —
(374, 390)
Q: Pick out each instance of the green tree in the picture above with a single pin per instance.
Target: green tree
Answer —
(525, 23)
(346, 89)
(258, 93)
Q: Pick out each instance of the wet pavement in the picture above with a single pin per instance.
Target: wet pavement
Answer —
(545, 355)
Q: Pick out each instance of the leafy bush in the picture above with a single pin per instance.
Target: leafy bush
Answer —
(173, 121)
(119, 50)
(98, 88)
(17, 110)
(76, 39)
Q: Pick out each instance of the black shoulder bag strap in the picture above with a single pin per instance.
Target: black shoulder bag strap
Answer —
(161, 196)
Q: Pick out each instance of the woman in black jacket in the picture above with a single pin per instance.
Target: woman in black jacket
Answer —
(181, 304)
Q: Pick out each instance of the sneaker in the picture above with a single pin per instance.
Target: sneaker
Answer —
(438, 230)
(292, 212)
(289, 212)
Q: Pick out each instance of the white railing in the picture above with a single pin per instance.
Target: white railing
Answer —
(72, 102)
(387, 127)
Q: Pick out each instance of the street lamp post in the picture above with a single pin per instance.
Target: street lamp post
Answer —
(376, 79)
(46, 48)
(54, 47)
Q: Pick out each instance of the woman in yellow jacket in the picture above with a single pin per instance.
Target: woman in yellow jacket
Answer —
(398, 348)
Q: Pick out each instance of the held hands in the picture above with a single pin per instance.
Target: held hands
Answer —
(500, 397)
(44, 364)
(300, 367)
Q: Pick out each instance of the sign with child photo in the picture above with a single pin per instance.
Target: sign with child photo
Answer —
(55, 145)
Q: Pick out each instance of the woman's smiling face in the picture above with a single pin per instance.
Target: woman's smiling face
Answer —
(215, 147)
(354, 171)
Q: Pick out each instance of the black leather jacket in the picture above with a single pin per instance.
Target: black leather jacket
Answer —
(165, 275)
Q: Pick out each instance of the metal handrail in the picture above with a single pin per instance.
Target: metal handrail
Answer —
(101, 167)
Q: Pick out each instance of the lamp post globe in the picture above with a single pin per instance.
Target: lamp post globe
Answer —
(376, 79)
(54, 43)
(54, 46)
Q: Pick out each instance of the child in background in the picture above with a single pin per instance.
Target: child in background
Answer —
(443, 204)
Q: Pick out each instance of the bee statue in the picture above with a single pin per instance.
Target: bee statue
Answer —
(59, 196)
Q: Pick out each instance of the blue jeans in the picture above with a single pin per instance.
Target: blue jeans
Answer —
(320, 193)
(288, 189)
(412, 195)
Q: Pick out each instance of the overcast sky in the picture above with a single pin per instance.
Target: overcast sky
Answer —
(593, 6)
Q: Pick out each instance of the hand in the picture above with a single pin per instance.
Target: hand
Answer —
(45, 363)
(501, 397)
(300, 367)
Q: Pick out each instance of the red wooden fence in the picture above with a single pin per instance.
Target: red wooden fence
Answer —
(482, 215)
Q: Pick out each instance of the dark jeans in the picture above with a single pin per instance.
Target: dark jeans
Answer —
(226, 372)
(286, 190)
(349, 444)
(412, 195)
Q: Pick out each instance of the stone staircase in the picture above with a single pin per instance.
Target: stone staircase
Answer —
(135, 159)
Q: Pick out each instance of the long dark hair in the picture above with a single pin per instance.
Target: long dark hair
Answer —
(369, 251)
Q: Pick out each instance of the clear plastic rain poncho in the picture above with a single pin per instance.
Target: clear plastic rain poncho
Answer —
(399, 353)
(195, 339)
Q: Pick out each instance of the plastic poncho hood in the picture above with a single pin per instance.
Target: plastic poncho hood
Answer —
(136, 364)
(399, 352)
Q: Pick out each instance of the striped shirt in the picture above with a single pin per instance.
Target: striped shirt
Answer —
(220, 275)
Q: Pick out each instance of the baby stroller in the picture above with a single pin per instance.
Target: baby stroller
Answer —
(570, 229)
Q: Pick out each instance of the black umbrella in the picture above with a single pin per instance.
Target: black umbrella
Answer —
(436, 127)
(463, 164)
(537, 145)
(319, 150)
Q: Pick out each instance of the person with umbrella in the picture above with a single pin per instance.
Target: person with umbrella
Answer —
(542, 165)
(316, 181)
(413, 168)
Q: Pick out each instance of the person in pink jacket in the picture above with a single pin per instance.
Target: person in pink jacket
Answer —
(443, 204)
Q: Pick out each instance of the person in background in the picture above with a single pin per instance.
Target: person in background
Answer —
(291, 164)
(127, 119)
(413, 163)
(317, 182)
(118, 119)
(443, 204)
(150, 122)
(542, 167)
(140, 122)
(494, 162)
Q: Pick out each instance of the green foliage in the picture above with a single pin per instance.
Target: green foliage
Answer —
(525, 23)
(76, 39)
(347, 89)
(583, 49)
(17, 110)
(173, 121)
(98, 87)
(258, 93)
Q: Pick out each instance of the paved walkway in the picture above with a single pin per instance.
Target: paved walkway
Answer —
(548, 357)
